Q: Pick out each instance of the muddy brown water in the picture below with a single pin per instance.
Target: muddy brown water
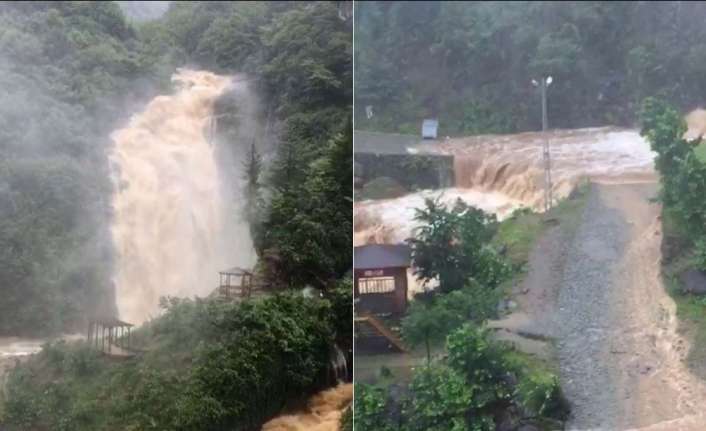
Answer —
(323, 412)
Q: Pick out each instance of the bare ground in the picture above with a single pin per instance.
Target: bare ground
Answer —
(599, 294)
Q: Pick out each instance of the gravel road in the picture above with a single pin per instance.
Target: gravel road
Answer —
(621, 359)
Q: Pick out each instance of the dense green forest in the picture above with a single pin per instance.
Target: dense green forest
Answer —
(68, 71)
(210, 365)
(74, 71)
(471, 63)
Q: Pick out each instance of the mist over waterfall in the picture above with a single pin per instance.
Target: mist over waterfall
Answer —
(175, 220)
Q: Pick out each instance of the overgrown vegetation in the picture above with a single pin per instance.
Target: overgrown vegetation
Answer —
(68, 71)
(470, 64)
(210, 366)
(683, 179)
(73, 72)
(478, 380)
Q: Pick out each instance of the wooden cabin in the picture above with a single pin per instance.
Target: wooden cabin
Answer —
(380, 278)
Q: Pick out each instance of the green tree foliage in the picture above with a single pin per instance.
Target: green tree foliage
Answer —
(71, 72)
(481, 362)
(67, 72)
(369, 408)
(467, 390)
(682, 172)
(429, 321)
(211, 366)
(310, 215)
(452, 245)
(439, 400)
(471, 63)
(425, 324)
(254, 199)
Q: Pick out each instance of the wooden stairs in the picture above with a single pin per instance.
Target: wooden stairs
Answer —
(370, 327)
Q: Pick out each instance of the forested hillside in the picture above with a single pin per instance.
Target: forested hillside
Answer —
(69, 72)
(74, 71)
(471, 63)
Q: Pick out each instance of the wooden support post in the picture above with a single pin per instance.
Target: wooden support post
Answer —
(128, 337)
(103, 339)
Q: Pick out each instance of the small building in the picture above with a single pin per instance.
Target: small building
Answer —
(404, 158)
(430, 129)
(380, 278)
(111, 336)
(235, 283)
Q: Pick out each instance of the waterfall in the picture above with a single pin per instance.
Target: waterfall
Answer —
(172, 227)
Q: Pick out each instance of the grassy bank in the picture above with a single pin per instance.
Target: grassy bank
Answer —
(519, 233)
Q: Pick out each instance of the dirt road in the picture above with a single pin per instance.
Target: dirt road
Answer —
(596, 290)
(621, 359)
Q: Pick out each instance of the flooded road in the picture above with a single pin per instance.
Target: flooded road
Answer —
(500, 173)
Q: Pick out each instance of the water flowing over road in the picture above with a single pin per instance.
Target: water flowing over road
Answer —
(500, 173)
(622, 361)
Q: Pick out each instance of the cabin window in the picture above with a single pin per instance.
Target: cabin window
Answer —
(376, 285)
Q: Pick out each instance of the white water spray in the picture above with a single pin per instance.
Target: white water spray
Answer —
(171, 227)
(500, 173)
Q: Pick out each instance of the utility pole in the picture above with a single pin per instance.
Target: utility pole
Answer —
(546, 156)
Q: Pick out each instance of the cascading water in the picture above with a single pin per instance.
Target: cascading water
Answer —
(500, 173)
(171, 218)
(323, 413)
(338, 366)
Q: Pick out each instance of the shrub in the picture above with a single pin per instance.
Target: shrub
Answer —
(439, 401)
(540, 393)
(370, 408)
(482, 362)
(82, 361)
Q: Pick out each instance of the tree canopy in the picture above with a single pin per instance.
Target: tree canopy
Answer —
(471, 63)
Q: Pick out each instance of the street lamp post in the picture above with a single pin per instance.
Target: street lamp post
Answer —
(546, 156)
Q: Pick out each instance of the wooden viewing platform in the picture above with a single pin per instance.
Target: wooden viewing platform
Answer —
(111, 336)
(237, 283)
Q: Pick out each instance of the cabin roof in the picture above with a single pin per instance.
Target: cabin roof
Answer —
(112, 323)
(376, 256)
(235, 271)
